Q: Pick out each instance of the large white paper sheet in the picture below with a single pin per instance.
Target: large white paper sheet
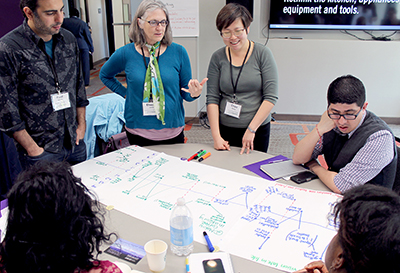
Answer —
(184, 17)
(267, 222)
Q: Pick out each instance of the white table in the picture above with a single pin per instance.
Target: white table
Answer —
(139, 232)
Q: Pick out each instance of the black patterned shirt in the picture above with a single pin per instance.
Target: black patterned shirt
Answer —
(27, 82)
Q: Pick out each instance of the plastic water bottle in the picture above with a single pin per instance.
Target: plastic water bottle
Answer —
(181, 229)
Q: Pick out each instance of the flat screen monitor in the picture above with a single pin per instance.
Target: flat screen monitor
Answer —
(335, 14)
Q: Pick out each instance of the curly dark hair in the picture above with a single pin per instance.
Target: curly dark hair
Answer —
(369, 229)
(54, 222)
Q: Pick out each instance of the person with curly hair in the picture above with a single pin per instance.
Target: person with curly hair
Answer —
(54, 224)
(368, 239)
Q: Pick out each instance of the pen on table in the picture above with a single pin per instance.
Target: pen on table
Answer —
(210, 246)
(204, 156)
(200, 154)
(187, 266)
(193, 156)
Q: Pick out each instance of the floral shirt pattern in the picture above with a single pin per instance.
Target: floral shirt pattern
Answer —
(28, 79)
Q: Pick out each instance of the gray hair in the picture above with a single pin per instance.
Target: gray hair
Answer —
(136, 34)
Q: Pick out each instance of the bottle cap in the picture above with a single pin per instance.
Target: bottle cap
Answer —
(181, 201)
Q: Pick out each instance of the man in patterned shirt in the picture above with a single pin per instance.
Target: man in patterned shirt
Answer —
(357, 145)
(42, 94)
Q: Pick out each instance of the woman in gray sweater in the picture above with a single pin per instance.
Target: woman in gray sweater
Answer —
(242, 87)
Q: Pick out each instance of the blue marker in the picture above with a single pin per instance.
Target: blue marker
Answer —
(210, 246)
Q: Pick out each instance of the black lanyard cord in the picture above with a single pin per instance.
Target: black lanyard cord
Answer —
(144, 58)
(42, 46)
(240, 71)
(53, 69)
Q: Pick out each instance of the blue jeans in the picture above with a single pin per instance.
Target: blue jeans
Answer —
(65, 154)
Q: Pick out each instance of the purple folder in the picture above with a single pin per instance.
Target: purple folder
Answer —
(255, 167)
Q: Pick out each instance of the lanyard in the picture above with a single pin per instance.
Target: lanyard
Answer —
(53, 70)
(240, 71)
(144, 58)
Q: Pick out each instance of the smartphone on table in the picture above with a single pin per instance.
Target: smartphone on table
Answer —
(303, 177)
(213, 266)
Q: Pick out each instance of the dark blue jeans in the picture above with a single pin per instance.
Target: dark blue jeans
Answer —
(85, 65)
(77, 156)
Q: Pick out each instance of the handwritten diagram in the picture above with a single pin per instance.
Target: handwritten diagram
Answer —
(260, 220)
(294, 232)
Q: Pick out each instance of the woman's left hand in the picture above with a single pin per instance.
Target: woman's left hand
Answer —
(195, 87)
(247, 142)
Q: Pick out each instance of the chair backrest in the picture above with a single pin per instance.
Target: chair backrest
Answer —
(396, 185)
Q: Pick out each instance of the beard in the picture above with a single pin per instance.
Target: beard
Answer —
(42, 28)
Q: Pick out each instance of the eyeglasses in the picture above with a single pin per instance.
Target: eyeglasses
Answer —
(228, 34)
(345, 116)
(155, 23)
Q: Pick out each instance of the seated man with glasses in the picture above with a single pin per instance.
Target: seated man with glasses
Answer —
(357, 145)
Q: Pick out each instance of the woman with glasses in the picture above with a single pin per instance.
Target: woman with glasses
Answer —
(158, 78)
(242, 87)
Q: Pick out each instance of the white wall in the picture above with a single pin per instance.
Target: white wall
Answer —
(119, 38)
(97, 15)
(307, 66)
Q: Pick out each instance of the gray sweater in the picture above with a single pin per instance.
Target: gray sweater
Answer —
(258, 82)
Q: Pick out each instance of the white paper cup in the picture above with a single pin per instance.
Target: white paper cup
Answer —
(156, 251)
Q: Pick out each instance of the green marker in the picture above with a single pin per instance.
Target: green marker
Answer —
(200, 154)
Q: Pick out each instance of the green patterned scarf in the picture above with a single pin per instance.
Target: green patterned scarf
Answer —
(153, 87)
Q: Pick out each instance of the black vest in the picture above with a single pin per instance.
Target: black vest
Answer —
(339, 150)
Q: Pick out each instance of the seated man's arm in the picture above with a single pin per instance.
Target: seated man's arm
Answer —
(327, 177)
(369, 161)
(304, 149)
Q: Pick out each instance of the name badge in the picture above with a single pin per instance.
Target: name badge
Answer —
(60, 101)
(233, 109)
(148, 109)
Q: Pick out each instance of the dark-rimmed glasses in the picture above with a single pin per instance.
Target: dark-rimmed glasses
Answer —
(228, 34)
(345, 116)
(155, 23)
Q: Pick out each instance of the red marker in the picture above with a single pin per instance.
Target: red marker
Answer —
(204, 156)
(193, 156)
